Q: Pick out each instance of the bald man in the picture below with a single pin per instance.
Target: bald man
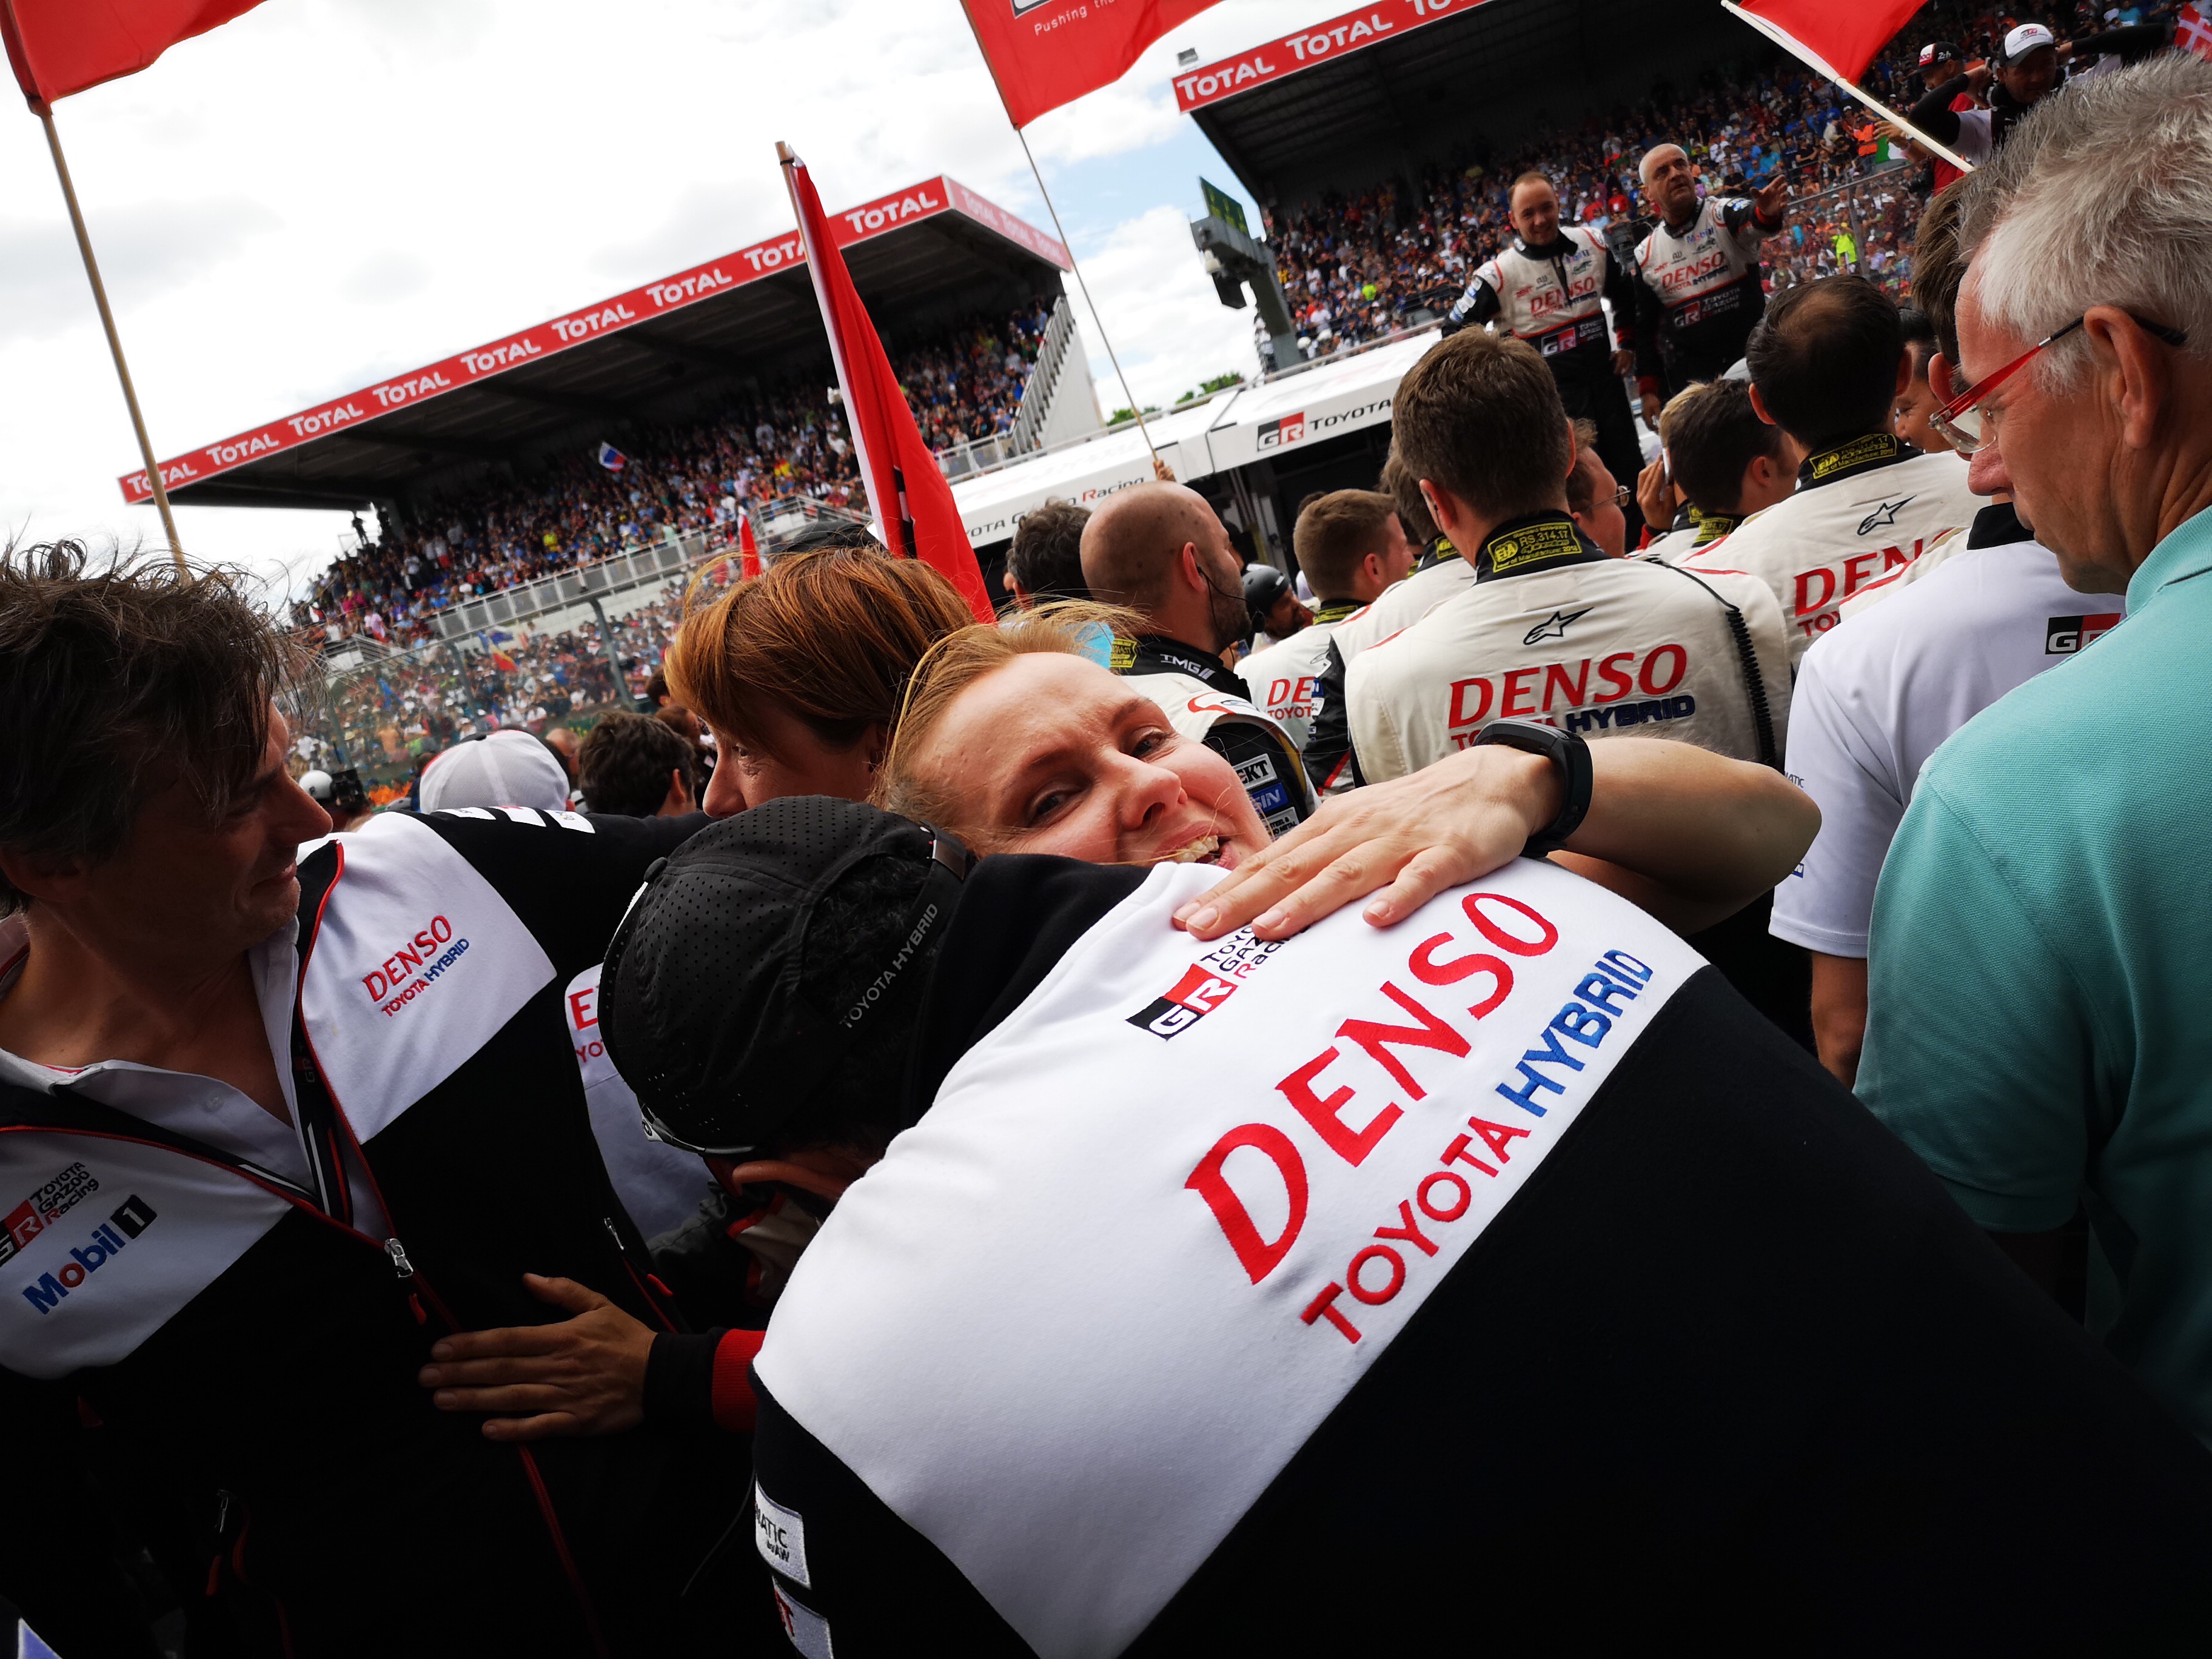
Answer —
(1160, 550)
(1698, 288)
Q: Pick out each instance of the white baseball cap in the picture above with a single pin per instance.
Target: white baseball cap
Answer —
(2026, 39)
(320, 785)
(507, 768)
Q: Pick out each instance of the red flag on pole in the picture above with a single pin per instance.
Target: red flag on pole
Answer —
(1837, 38)
(56, 47)
(1044, 53)
(749, 562)
(909, 495)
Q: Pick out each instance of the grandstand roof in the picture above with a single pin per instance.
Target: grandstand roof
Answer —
(936, 247)
(1413, 78)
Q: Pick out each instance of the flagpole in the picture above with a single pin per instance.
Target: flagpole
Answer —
(1798, 51)
(114, 341)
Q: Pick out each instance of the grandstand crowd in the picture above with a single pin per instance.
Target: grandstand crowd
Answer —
(1640, 1038)
(669, 482)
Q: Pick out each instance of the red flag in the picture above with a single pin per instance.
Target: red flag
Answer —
(909, 495)
(2192, 32)
(748, 564)
(1839, 37)
(1044, 53)
(56, 47)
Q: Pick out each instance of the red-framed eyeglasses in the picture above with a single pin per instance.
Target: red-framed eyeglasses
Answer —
(1962, 420)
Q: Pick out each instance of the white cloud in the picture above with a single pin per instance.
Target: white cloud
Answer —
(325, 190)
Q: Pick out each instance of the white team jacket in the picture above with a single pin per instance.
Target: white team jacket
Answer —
(1606, 645)
(1274, 779)
(1858, 514)
(1285, 677)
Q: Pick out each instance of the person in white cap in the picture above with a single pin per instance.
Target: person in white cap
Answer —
(507, 768)
(2031, 65)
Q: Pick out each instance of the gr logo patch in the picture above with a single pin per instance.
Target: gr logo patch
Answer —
(2064, 635)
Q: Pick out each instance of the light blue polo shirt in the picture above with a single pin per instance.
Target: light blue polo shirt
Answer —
(2041, 998)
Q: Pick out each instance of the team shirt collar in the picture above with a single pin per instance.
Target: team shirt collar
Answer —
(1711, 526)
(1852, 459)
(1997, 525)
(1335, 610)
(1533, 542)
(1439, 551)
(2185, 553)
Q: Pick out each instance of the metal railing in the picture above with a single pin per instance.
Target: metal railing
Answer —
(995, 450)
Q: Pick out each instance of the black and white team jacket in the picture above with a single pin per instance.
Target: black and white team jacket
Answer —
(1205, 701)
(253, 1341)
(1699, 293)
(1495, 1282)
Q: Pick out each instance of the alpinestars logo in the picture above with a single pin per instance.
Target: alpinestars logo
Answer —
(44, 1207)
(1555, 626)
(1273, 435)
(1205, 984)
(107, 1241)
(1882, 515)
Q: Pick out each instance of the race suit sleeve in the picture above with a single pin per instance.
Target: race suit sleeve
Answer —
(567, 876)
(1933, 115)
(1474, 307)
(1650, 317)
(2130, 45)
(55, 1562)
(1979, 1052)
(1620, 297)
(1331, 765)
(693, 1381)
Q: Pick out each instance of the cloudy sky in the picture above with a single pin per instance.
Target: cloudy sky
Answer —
(325, 191)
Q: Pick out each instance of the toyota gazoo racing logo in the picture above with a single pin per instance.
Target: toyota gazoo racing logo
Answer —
(414, 967)
(1273, 435)
(1292, 429)
(1206, 985)
(101, 1245)
(2064, 635)
(48, 1205)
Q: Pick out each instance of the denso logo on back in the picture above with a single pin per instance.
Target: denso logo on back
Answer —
(414, 966)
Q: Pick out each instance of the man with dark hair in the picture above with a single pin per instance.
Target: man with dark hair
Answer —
(2028, 69)
(1046, 559)
(1105, 1312)
(637, 767)
(1726, 462)
(1698, 289)
(1827, 360)
(1913, 411)
(1161, 550)
(1552, 628)
(283, 1112)
(1550, 287)
(1596, 502)
(1351, 547)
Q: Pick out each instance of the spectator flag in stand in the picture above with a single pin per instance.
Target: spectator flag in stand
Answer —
(612, 458)
(1838, 38)
(911, 499)
(749, 559)
(56, 47)
(2192, 32)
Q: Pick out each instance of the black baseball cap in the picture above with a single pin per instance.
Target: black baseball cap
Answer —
(700, 1002)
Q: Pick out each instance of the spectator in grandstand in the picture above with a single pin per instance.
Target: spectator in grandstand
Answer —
(565, 745)
(507, 768)
(636, 767)
(1826, 363)
(2046, 876)
(1478, 421)
(2027, 71)
(1918, 401)
(1046, 559)
(1698, 290)
(1351, 547)
(1594, 502)
(1046, 1320)
(1159, 550)
(272, 1070)
(1728, 462)
(1550, 288)
(800, 675)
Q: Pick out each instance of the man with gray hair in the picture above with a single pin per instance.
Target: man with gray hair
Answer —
(2036, 1024)
(1698, 286)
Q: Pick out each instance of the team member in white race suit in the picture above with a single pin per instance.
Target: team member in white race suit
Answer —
(1175, 1246)
(1826, 363)
(1552, 628)
(1352, 548)
(1551, 287)
(1698, 291)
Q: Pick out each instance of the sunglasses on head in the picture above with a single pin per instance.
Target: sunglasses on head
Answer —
(1965, 424)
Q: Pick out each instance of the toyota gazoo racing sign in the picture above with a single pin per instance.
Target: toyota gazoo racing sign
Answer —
(1235, 446)
(686, 287)
(1353, 32)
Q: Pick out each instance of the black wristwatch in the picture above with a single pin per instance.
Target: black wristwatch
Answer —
(1569, 757)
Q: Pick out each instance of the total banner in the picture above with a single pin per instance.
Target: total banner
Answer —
(1044, 53)
(1355, 31)
(656, 298)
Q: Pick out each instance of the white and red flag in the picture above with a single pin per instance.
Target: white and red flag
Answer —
(56, 47)
(2192, 33)
(1044, 53)
(910, 496)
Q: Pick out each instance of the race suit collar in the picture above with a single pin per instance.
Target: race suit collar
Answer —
(1153, 653)
(1833, 463)
(1997, 525)
(1533, 542)
(1439, 551)
(1711, 526)
(1335, 610)
(1551, 250)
